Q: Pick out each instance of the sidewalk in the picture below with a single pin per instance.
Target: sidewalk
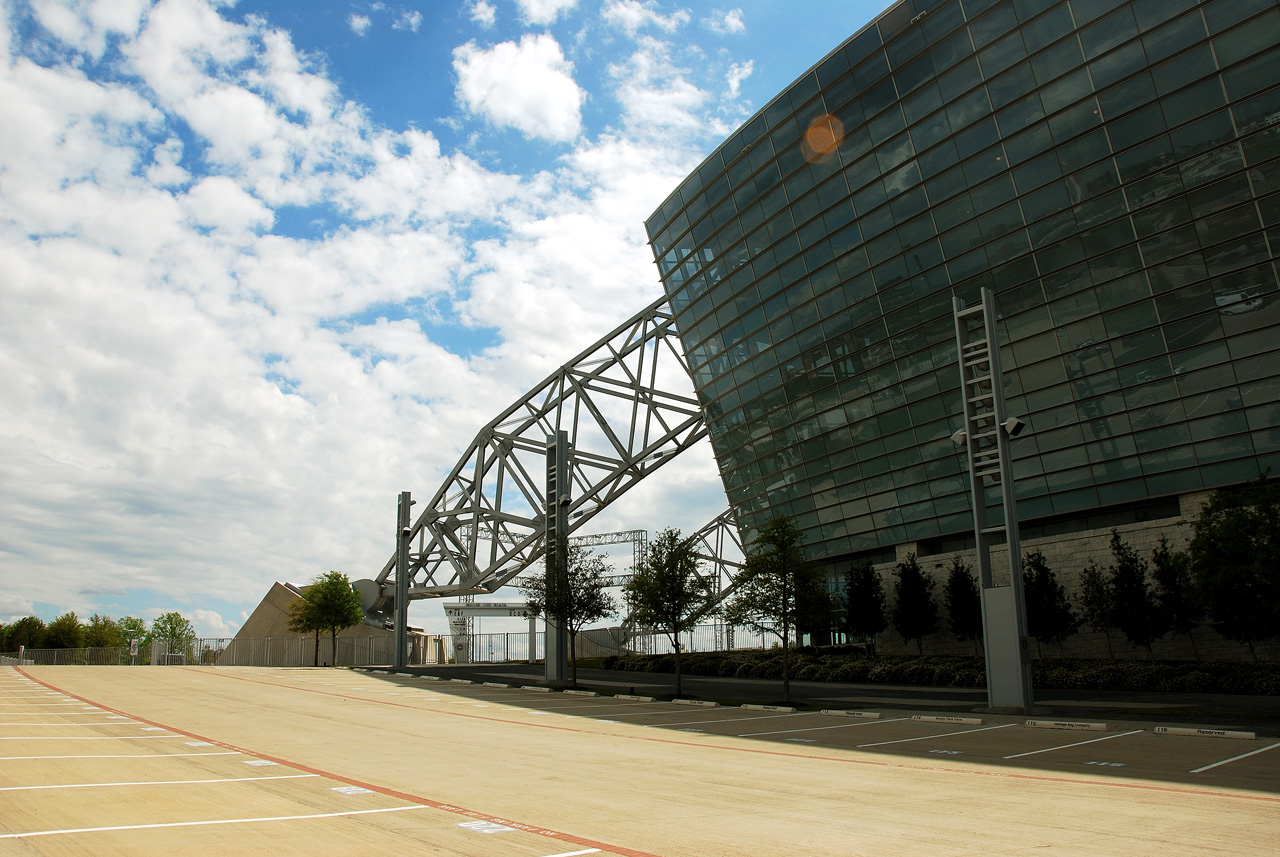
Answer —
(1259, 714)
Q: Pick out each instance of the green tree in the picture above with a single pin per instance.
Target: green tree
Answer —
(176, 633)
(667, 592)
(303, 620)
(335, 604)
(963, 603)
(865, 608)
(777, 582)
(1135, 611)
(64, 632)
(570, 592)
(1235, 558)
(1097, 602)
(1176, 592)
(103, 632)
(1050, 618)
(915, 613)
(27, 632)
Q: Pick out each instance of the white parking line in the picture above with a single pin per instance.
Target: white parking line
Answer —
(943, 735)
(77, 738)
(65, 725)
(122, 756)
(158, 783)
(1076, 744)
(576, 853)
(820, 728)
(1235, 758)
(34, 833)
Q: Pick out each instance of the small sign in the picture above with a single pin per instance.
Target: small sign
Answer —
(133, 647)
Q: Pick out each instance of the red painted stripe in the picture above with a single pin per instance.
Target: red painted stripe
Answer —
(405, 796)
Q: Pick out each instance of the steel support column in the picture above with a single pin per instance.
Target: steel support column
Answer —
(402, 579)
(557, 512)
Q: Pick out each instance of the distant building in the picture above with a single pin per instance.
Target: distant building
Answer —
(265, 639)
(1109, 168)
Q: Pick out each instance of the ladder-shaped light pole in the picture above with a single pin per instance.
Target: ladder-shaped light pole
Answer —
(985, 437)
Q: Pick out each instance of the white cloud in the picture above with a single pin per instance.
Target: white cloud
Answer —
(632, 15)
(726, 23)
(483, 14)
(655, 94)
(90, 22)
(738, 72)
(217, 202)
(208, 623)
(192, 405)
(359, 24)
(408, 20)
(543, 12)
(527, 85)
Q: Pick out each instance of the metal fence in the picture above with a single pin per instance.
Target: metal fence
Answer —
(377, 650)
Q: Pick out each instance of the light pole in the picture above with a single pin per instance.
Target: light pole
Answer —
(985, 437)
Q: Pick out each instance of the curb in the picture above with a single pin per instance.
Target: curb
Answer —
(785, 708)
(1066, 724)
(1206, 733)
(932, 718)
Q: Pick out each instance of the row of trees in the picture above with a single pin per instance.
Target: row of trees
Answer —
(1229, 576)
(68, 632)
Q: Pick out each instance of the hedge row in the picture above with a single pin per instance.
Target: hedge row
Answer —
(1053, 673)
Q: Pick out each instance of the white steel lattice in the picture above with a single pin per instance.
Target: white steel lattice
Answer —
(616, 400)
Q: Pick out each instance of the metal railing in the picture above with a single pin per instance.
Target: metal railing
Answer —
(376, 650)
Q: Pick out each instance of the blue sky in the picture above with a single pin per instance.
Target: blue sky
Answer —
(269, 263)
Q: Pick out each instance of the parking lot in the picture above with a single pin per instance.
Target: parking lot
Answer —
(249, 760)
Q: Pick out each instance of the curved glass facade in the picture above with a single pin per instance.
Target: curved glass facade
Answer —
(1110, 169)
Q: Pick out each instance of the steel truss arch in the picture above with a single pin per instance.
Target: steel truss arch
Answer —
(486, 523)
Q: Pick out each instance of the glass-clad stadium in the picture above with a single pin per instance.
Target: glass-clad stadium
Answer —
(1109, 168)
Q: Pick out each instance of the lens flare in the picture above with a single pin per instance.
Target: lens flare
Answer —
(822, 138)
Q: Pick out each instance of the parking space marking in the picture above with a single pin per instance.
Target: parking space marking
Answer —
(943, 735)
(158, 783)
(1235, 759)
(35, 833)
(820, 728)
(122, 756)
(86, 738)
(1076, 744)
(417, 801)
(576, 853)
(870, 762)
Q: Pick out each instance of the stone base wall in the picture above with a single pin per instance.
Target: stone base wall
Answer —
(1068, 555)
